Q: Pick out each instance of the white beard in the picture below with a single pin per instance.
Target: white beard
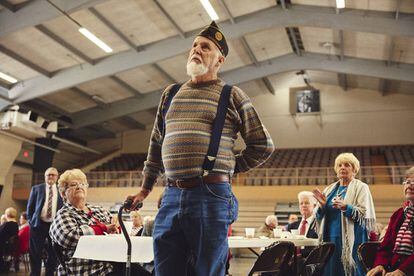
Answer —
(196, 69)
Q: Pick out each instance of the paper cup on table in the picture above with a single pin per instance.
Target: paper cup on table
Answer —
(295, 232)
(249, 232)
(277, 232)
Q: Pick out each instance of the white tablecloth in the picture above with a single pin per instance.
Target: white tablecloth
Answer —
(241, 242)
(114, 247)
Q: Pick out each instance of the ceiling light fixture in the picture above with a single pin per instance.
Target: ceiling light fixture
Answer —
(209, 9)
(95, 40)
(89, 35)
(8, 78)
(340, 4)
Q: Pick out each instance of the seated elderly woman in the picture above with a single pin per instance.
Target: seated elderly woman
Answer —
(77, 218)
(267, 228)
(345, 214)
(137, 225)
(395, 256)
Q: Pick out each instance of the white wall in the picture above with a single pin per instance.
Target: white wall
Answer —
(357, 117)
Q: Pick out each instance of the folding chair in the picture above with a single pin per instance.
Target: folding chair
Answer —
(315, 263)
(274, 260)
(59, 254)
(11, 249)
(366, 254)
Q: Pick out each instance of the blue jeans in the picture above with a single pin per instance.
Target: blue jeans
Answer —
(194, 223)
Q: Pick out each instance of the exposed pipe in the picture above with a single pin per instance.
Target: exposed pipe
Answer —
(75, 144)
(28, 141)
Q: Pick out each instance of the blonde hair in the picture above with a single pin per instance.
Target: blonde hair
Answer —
(135, 214)
(67, 177)
(309, 195)
(347, 157)
(409, 172)
(11, 213)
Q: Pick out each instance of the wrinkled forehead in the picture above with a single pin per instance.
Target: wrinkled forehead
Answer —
(49, 171)
(202, 39)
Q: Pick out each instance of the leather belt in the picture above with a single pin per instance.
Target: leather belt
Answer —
(194, 182)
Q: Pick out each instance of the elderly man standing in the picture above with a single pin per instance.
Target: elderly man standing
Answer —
(44, 202)
(192, 141)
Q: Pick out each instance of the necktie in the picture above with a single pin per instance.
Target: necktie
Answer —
(302, 229)
(49, 203)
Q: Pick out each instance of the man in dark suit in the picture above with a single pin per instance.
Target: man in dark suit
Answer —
(307, 225)
(44, 202)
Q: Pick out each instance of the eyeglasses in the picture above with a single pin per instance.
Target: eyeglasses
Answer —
(408, 182)
(51, 174)
(77, 185)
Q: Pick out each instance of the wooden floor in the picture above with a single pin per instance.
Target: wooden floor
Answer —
(239, 266)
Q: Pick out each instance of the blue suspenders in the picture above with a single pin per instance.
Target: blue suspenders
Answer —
(218, 123)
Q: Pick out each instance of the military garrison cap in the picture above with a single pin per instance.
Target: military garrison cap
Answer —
(213, 33)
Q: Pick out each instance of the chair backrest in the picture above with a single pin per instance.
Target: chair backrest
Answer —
(12, 246)
(59, 254)
(366, 254)
(274, 259)
(315, 263)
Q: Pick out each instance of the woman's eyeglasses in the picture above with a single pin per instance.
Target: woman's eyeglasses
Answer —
(408, 182)
(77, 185)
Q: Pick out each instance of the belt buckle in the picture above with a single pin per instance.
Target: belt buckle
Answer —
(177, 183)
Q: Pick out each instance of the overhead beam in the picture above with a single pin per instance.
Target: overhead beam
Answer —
(25, 61)
(114, 29)
(36, 12)
(8, 5)
(342, 78)
(43, 29)
(168, 16)
(126, 86)
(343, 81)
(164, 73)
(100, 131)
(131, 123)
(4, 103)
(42, 109)
(352, 20)
(227, 11)
(287, 63)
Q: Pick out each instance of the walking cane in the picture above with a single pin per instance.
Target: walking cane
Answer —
(127, 205)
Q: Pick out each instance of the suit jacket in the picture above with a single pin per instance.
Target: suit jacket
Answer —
(36, 202)
(385, 255)
(312, 234)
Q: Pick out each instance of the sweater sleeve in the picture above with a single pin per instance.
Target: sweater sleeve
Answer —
(259, 144)
(384, 253)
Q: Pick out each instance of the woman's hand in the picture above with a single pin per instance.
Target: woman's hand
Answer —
(378, 270)
(320, 197)
(339, 203)
(111, 228)
(395, 273)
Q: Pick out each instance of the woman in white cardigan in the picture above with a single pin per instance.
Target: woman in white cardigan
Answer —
(345, 216)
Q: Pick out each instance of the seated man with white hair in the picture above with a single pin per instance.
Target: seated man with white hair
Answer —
(307, 225)
(267, 229)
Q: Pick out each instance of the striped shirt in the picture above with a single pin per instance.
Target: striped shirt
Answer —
(188, 129)
(404, 241)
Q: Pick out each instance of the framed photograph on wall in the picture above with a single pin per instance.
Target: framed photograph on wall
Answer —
(304, 100)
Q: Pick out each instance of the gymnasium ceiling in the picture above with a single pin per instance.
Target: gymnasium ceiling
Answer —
(65, 77)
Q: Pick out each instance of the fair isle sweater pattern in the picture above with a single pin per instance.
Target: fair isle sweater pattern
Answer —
(188, 129)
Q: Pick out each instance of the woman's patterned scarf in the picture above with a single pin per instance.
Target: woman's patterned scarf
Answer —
(404, 241)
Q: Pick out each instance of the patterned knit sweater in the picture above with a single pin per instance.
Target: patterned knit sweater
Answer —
(188, 129)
